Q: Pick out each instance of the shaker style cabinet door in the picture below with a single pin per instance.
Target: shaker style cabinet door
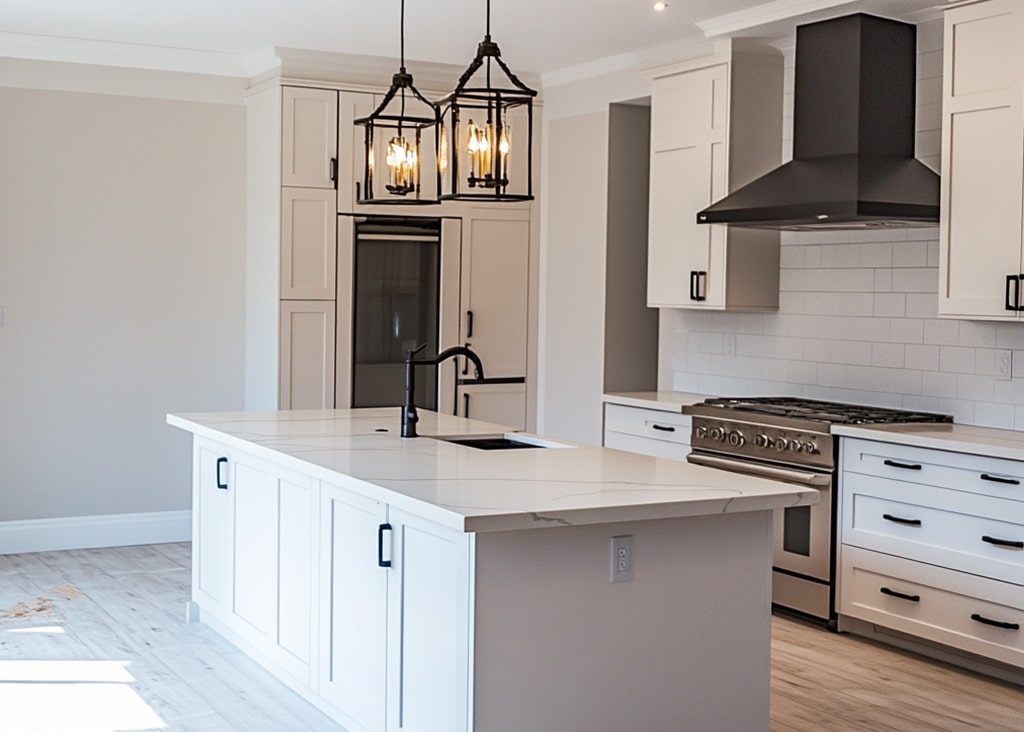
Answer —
(307, 354)
(309, 137)
(309, 247)
(982, 205)
(211, 526)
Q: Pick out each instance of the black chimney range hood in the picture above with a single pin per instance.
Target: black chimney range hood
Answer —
(853, 161)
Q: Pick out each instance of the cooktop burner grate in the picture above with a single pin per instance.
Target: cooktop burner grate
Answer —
(823, 411)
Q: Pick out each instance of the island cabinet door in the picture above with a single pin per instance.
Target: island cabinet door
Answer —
(211, 525)
(428, 632)
(354, 542)
(273, 562)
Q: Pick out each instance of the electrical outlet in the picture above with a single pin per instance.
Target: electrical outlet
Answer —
(622, 558)
(1004, 364)
(730, 344)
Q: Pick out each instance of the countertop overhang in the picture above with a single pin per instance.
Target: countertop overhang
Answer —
(477, 490)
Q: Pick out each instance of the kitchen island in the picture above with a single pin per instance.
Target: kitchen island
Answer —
(421, 584)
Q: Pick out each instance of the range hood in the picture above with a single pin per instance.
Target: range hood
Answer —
(853, 161)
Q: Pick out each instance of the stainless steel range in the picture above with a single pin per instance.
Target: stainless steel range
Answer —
(789, 439)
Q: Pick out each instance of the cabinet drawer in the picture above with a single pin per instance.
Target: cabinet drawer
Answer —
(650, 423)
(985, 476)
(968, 613)
(976, 534)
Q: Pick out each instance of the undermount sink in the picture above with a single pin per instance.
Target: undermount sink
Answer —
(496, 442)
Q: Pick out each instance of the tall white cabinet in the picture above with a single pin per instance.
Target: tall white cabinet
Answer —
(716, 124)
(981, 228)
(306, 152)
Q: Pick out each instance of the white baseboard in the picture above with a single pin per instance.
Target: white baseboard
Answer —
(91, 532)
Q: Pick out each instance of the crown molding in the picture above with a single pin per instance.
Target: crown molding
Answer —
(590, 69)
(132, 55)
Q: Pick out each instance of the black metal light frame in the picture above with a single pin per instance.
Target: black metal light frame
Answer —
(496, 102)
(391, 125)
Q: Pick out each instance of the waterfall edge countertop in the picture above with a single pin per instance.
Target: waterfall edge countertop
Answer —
(479, 490)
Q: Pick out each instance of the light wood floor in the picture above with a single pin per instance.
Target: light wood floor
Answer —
(126, 606)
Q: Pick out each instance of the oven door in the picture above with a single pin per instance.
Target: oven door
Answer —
(802, 535)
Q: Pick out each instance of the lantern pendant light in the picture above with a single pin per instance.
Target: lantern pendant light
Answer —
(478, 158)
(401, 145)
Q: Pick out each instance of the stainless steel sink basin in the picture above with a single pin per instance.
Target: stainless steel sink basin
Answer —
(494, 442)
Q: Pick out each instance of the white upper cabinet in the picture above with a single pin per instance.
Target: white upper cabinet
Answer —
(714, 128)
(309, 123)
(351, 144)
(980, 229)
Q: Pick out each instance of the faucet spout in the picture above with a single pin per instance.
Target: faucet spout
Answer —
(409, 414)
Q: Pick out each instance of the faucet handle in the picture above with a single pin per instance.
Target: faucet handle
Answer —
(409, 354)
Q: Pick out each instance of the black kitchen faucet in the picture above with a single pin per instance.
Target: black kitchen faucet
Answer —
(409, 415)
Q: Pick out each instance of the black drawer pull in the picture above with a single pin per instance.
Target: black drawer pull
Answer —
(899, 520)
(381, 561)
(662, 428)
(1003, 542)
(221, 482)
(995, 623)
(997, 479)
(904, 466)
(902, 596)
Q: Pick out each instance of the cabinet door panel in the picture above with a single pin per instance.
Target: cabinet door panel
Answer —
(500, 403)
(309, 137)
(295, 568)
(307, 354)
(353, 607)
(495, 274)
(212, 523)
(308, 244)
(351, 143)
(428, 627)
(256, 543)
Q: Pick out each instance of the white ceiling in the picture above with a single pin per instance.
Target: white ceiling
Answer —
(534, 35)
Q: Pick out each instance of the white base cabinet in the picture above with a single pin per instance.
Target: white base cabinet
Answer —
(932, 545)
(647, 431)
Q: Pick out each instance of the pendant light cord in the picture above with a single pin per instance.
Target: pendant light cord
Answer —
(401, 37)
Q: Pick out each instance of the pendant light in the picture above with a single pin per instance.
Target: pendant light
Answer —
(486, 136)
(401, 143)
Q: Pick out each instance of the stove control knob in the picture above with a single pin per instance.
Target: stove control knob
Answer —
(736, 439)
(781, 444)
(701, 431)
(763, 440)
(812, 448)
(797, 446)
(717, 433)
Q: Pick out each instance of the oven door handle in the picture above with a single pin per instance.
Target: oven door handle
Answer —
(801, 477)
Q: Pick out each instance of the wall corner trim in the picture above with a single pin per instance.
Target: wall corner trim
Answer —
(91, 532)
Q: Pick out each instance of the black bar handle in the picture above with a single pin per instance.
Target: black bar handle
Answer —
(995, 623)
(465, 362)
(1009, 543)
(904, 466)
(998, 479)
(469, 324)
(899, 520)
(693, 284)
(901, 595)
(222, 484)
(663, 428)
(1014, 303)
(465, 405)
(334, 172)
(381, 561)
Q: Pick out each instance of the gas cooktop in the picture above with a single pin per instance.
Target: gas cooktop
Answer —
(819, 411)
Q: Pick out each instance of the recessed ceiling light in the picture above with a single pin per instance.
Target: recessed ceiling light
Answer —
(659, 6)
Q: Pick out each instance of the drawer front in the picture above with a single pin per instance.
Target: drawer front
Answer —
(649, 423)
(976, 534)
(646, 446)
(970, 613)
(993, 477)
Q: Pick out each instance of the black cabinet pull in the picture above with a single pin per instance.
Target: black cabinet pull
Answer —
(221, 483)
(1014, 302)
(693, 284)
(698, 285)
(1003, 542)
(899, 520)
(381, 561)
(997, 479)
(663, 428)
(465, 362)
(334, 172)
(994, 623)
(469, 324)
(904, 466)
(901, 595)
(465, 405)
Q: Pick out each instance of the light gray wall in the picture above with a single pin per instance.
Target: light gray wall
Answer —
(122, 237)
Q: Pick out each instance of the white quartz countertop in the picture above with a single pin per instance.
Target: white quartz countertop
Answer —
(664, 401)
(953, 437)
(479, 490)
